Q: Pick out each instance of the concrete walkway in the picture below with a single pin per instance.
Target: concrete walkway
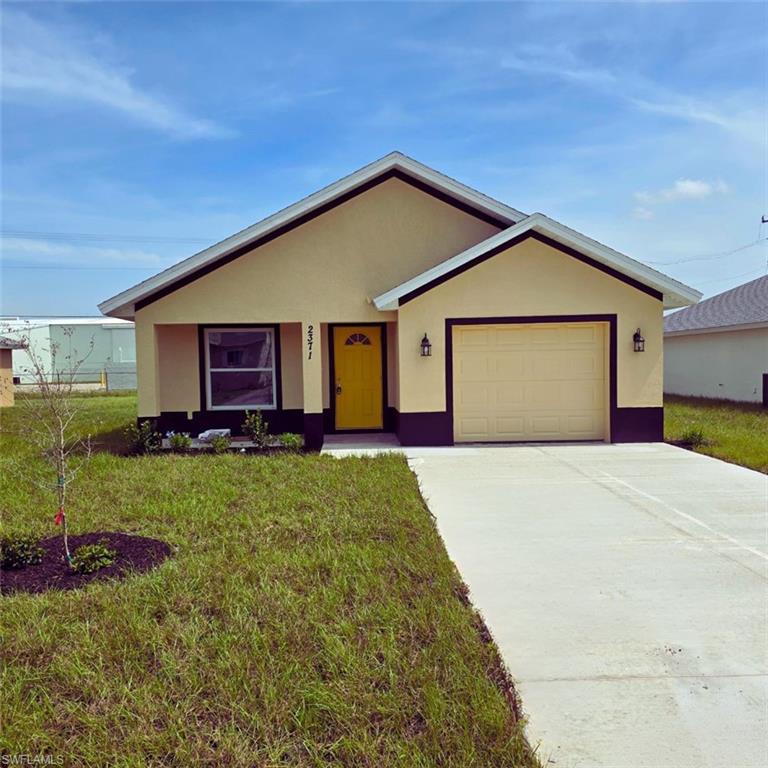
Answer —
(626, 587)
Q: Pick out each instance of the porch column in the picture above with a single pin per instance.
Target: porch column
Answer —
(147, 368)
(312, 376)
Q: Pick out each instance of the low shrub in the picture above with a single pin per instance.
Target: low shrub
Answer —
(693, 436)
(19, 551)
(143, 438)
(291, 441)
(220, 443)
(180, 442)
(92, 557)
(256, 428)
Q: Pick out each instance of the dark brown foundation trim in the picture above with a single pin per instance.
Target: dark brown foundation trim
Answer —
(515, 241)
(637, 425)
(264, 239)
(424, 428)
(278, 421)
(313, 431)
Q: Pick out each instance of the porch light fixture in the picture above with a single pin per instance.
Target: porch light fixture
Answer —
(426, 347)
(638, 341)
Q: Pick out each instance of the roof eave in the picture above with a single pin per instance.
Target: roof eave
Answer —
(675, 294)
(123, 304)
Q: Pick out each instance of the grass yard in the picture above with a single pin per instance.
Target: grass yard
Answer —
(309, 616)
(735, 432)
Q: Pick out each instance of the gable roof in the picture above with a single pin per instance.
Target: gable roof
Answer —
(673, 292)
(393, 165)
(746, 304)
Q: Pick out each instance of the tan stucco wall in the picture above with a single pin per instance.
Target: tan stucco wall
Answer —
(328, 268)
(529, 279)
(727, 364)
(178, 364)
(6, 378)
(290, 363)
(324, 271)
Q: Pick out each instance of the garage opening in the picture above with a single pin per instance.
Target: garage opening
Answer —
(530, 382)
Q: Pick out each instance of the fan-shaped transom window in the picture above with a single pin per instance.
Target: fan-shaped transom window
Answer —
(357, 338)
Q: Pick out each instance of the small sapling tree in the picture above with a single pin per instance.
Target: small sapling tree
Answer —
(49, 423)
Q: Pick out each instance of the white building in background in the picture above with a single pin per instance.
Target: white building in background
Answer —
(113, 355)
(719, 347)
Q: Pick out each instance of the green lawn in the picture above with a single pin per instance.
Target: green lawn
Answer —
(735, 432)
(309, 617)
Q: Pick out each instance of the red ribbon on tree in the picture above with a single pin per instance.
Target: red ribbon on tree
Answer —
(59, 516)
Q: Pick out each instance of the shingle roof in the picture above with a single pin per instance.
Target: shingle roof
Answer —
(6, 343)
(743, 305)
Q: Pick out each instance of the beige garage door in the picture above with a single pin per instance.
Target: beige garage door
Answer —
(543, 381)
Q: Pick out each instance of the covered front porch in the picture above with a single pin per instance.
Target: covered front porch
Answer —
(311, 378)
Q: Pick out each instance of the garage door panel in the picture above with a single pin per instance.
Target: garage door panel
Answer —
(510, 394)
(474, 336)
(530, 382)
(474, 395)
(510, 428)
(508, 366)
(475, 428)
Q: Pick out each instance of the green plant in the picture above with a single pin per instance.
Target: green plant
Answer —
(19, 551)
(291, 442)
(92, 557)
(142, 437)
(180, 442)
(693, 436)
(220, 443)
(256, 428)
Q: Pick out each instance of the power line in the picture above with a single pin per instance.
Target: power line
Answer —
(93, 237)
(710, 256)
(73, 267)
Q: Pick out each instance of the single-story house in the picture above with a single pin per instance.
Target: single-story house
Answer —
(719, 348)
(399, 299)
(6, 369)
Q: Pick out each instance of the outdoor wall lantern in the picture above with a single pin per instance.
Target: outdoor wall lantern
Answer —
(426, 347)
(638, 341)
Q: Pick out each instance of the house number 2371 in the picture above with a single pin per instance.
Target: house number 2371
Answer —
(310, 340)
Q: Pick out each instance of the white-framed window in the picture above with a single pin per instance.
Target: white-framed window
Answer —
(240, 369)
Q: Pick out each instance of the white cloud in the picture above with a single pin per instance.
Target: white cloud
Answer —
(682, 189)
(734, 113)
(642, 213)
(60, 63)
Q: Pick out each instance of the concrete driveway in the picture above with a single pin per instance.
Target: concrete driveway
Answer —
(626, 587)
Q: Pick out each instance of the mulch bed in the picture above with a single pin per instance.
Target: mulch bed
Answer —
(135, 554)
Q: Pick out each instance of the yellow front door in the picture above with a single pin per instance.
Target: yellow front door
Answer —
(358, 382)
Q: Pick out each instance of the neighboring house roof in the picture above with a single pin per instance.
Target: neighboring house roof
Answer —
(746, 304)
(6, 343)
(394, 164)
(674, 293)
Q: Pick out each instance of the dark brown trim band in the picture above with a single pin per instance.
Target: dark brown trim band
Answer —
(319, 211)
(517, 240)
(331, 424)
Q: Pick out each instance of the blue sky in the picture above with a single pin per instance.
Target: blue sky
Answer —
(157, 129)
